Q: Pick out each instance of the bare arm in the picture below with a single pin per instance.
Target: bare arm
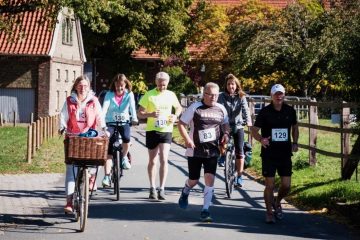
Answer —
(295, 137)
(255, 133)
(182, 130)
(142, 113)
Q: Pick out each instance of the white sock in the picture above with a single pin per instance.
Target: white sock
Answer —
(186, 189)
(208, 194)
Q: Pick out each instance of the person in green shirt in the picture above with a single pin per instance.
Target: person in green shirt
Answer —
(156, 105)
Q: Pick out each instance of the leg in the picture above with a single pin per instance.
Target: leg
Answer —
(152, 166)
(164, 149)
(194, 166)
(107, 170)
(269, 198)
(69, 187)
(284, 189)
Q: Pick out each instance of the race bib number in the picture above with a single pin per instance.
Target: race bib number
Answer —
(120, 117)
(161, 121)
(279, 134)
(207, 135)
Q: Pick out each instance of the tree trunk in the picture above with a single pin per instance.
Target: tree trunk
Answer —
(351, 164)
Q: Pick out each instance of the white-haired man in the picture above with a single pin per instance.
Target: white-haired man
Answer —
(156, 105)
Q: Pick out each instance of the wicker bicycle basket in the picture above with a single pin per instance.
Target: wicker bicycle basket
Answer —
(86, 151)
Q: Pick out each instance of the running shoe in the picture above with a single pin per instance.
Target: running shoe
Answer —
(221, 161)
(239, 182)
(269, 218)
(205, 216)
(161, 194)
(183, 200)
(152, 194)
(278, 212)
(68, 209)
(106, 181)
(126, 163)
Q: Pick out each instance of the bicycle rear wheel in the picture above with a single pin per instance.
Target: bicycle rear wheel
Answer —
(84, 199)
(229, 172)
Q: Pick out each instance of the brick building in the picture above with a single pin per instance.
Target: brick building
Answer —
(38, 64)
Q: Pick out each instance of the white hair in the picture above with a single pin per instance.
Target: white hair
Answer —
(163, 76)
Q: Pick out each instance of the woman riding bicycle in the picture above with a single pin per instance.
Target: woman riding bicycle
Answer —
(81, 112)
(119, 104)
(237, 108)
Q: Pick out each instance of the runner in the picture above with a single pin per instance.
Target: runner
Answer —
(209, 128)
(156, 105)
(276, 121)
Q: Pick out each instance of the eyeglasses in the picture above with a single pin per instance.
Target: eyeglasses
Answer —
(212, 95)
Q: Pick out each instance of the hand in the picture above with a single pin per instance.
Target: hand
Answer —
(62, 131)
(172, 118)
(107, 133)
(224, 140)
(155, 114)
(265, 142)
(190, 144)
(134, 123)
(295, 147)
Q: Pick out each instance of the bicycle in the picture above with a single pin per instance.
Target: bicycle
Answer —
(117, 169)
(230, 169)
(83, 153)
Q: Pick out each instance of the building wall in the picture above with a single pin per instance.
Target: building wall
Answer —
(66, 66)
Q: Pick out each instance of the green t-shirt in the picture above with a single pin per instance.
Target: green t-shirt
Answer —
(164, 101)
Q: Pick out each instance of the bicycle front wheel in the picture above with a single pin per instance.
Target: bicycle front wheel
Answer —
(229, 172)
(84, 199)
(117, 175)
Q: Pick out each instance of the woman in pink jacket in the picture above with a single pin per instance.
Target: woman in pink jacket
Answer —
(81, 112)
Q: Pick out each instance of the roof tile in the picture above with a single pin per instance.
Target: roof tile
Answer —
(32, 36)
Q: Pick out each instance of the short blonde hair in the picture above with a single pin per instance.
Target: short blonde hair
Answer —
(211, 85)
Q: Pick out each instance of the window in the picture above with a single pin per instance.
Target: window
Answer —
(67, 31)
(74, 76)
(58, 75)
(66, 75)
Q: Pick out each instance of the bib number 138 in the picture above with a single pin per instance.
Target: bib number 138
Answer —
(279, 134)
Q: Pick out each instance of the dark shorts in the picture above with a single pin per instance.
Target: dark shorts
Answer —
(195, 164)
(282, 165)
(153, 138)
(124, 133)
(239, 143)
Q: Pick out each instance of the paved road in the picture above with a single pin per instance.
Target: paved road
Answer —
(31, 208)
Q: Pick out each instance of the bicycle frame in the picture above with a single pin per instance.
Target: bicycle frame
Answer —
(117, 168)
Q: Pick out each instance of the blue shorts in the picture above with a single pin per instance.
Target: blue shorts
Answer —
(124, 133)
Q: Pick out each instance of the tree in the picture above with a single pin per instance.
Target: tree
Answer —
(296, 42)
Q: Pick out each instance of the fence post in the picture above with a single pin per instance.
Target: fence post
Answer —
(31, 117)
(33, 148)
(14, 119)
(1, 119)
(345, 137)
(313, 119)
(29, 144)
(38, 126)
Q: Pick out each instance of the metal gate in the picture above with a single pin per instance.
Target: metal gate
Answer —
(18, 100)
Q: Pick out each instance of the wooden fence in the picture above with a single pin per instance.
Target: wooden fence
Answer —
(40, 131)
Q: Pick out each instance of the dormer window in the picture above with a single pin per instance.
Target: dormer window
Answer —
(67, 31)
